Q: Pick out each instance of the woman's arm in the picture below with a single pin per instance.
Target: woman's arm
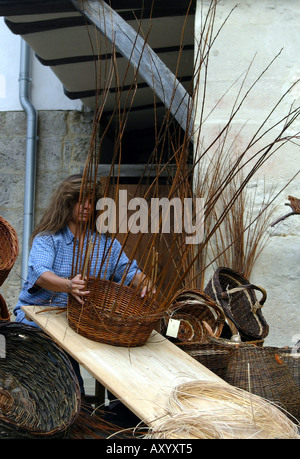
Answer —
(54, 283)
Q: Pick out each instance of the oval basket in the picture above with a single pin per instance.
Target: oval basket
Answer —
(39, 392)
(236, 296)
(113, 314)
(192, 308)
(9, 248)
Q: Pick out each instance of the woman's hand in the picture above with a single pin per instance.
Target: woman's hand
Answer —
(140, 280)
(54, 283)
(77, 287)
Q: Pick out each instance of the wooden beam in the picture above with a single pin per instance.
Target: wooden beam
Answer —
(140, 55)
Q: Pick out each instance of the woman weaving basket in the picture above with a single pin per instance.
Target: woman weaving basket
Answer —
(49, 279)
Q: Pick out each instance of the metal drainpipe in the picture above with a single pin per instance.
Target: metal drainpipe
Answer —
(30, 165)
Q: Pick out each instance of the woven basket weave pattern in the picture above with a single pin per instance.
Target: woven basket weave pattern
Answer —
(39, 392)
(262, 372)
(4, 313)
(9, 248)
(113, 314)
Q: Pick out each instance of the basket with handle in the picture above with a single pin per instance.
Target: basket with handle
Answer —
(114, 314)
(39, 391)
(236, 296)
(9, 248)
(192, 308)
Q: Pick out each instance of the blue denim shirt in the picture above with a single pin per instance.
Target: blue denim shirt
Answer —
(55, 253)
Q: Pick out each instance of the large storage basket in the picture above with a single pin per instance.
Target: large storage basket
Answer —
(39, 391)
(215, 354)
(237, 298)
(291, 357)
(9, 248)
(263, 372)
(194, 309)
(113, 314)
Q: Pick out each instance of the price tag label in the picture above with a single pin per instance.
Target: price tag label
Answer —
(173, 327)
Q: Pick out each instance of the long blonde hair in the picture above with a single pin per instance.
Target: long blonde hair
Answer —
(60, 209)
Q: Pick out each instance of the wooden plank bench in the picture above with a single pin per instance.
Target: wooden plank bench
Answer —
(141, 377)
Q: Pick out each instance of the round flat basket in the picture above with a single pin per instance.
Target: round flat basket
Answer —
(4, 313)
(39, 392)
(193, 309)
(236, 296)
(113, 314)
(9, 248)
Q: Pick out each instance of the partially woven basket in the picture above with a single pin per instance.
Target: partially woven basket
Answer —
(193, 309)
(236, 296)
(9, 248)
(39, 391)
(4, 313)
(263, 372)
(113, 314)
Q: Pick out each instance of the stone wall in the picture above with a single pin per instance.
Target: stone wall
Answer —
(63, 142)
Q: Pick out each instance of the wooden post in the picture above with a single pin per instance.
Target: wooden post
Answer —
(140, 55)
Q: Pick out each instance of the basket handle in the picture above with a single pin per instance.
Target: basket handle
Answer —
(247, 287)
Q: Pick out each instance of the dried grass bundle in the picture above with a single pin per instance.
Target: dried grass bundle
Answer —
(206, 410)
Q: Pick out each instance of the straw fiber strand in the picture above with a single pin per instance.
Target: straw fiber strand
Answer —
(206, 410)
(39, 392)
(113, 314)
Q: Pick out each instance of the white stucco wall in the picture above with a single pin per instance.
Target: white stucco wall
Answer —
(260, 30)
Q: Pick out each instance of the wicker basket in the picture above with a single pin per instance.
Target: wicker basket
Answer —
(9, 248)
(113, 314)
(261, 371)
(215, 354)
(237, 298)
(4, 314)
(291, 358)
(193, 309)
(39, 392)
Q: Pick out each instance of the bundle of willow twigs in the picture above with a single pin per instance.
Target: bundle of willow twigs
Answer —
(183, 263)
(206, 410)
